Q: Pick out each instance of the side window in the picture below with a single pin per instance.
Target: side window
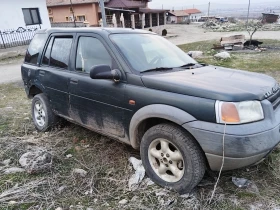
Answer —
(91, 52)
(47, 55)
(60, 52)
(35, 48)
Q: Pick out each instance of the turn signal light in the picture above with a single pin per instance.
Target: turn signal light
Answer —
(229, 113)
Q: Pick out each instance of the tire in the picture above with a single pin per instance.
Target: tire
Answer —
(43, 117)
(172, 158)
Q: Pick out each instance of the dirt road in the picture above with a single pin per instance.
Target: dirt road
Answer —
(10, 72)
(194, 33)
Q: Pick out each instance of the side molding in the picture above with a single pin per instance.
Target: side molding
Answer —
(166, 112)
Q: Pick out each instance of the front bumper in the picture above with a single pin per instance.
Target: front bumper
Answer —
(244, 144)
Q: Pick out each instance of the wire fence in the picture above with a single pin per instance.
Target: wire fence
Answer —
(17, 37)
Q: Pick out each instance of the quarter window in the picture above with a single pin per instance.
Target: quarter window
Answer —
(35, 48)
(31, 16)
(91, 52)
(60, 52)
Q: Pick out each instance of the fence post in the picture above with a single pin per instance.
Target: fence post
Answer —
(2, 40)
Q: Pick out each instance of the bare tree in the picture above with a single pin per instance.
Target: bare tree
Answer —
(252, 27)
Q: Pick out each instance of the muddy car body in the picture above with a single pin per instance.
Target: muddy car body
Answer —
(138, 88)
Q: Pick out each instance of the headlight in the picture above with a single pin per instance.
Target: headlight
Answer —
(238, 113)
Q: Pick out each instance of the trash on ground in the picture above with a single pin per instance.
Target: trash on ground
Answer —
(139, 174)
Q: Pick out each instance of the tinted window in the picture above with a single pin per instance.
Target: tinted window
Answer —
(60, 52)
(91, 52)
(35, 48)
(46, 57)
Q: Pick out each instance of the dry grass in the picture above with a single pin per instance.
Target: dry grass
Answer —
(106, 162)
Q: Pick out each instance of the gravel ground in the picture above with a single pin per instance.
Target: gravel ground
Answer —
(194, 33)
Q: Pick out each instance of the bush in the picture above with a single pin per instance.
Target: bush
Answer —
(150, 30)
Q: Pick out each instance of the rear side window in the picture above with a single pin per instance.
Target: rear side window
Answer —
(47, 55)
(60, 52)
(35, 48)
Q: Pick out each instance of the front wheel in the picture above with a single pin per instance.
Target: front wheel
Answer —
(172, 158)
(43, 117)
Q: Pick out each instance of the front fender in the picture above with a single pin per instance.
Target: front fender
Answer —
(162, 111)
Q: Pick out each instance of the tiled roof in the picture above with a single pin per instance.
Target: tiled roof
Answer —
(125, 4)
(179, 13)
(67, 2)
(192, 11)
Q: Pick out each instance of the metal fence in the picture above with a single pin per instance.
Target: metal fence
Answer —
(17, 37)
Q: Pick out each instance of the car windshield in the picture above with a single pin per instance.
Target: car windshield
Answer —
(147, 51)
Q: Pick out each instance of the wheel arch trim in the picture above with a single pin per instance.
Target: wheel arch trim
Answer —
(166, 112)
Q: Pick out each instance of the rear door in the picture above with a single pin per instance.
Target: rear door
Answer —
(54, 72)
(97, 104)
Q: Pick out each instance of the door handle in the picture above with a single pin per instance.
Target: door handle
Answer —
(74, 81)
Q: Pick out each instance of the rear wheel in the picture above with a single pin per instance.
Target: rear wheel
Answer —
(43, 117)
(172, 158)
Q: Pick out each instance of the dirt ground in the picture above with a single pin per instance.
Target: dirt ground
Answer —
(194, 33)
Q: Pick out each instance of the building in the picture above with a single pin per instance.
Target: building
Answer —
(178, 16)
(83, 10)
(89, 11)
(270, 18)
(194, 14)
(25, 14)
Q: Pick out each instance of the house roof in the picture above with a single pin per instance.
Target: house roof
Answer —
(125, 4)
(67, 2)
(147, 10)
(179, 13)
(192, 11)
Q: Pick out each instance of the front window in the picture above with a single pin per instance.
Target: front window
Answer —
(147, 51)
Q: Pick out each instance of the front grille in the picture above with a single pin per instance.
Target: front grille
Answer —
(275, 99)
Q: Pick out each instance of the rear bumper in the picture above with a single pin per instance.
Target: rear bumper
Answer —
(244, 144)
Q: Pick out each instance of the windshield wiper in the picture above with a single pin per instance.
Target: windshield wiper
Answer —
(157, 69)
(193, 64)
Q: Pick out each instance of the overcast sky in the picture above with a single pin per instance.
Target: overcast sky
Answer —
(167, 4)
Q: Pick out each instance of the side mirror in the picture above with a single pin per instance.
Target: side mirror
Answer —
(105, 72)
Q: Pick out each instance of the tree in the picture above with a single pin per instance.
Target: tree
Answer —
(252, 27)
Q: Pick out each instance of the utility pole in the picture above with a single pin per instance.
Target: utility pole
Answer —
(248, 13)
(208, 10)
(74, 18)
(104, 21)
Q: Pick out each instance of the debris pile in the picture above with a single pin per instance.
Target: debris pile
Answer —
(218, 26)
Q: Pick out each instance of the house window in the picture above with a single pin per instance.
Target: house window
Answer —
(31, 16)
(51, 19)
(81, 18)
(50, 11)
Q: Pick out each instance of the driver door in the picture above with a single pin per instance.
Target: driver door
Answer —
(96, 104)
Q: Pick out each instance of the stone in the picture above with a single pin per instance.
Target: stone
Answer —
(222, 55)
(195, 54)
(13, 170)
(79, 172)
(37, 161)
(6, 162)
(123, 202)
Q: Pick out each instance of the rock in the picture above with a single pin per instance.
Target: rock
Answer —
(6, 162)
(250, 186)
(13, 170)
(222, 55)
(89, 208)
(195, 54)
(37, 161)
(69, 156)
(123, 202)
(60, 189)
(12, 202)
(79, 172)
(139, 174)
(58, 208)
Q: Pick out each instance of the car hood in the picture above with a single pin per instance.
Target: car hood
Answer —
(213, 83)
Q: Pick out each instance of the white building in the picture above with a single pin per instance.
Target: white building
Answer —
(23, 13)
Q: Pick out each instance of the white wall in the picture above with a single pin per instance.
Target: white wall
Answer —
(11, 16)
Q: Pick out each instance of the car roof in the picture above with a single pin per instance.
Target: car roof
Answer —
(98, 30)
